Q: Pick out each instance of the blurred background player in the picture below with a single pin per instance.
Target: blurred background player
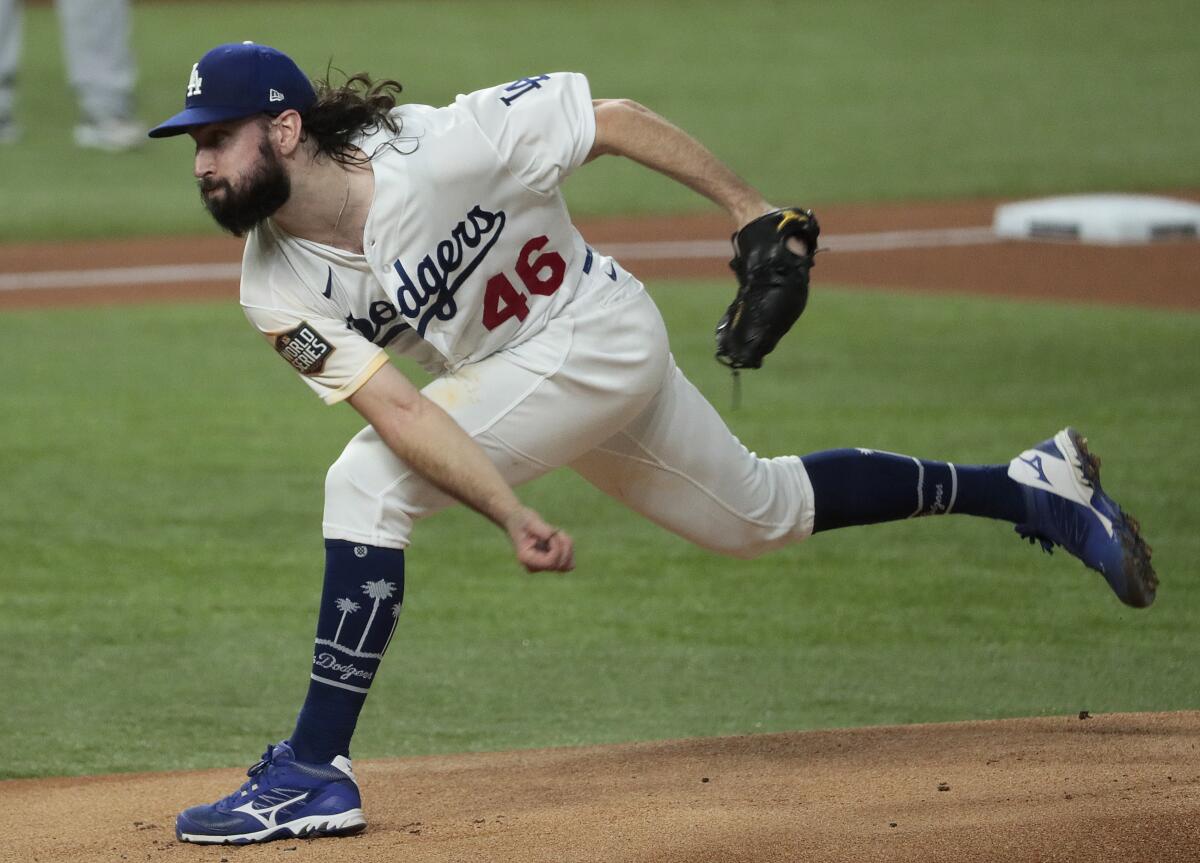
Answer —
(100, 68)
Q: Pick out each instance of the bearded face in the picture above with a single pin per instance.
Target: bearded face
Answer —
(239, 206)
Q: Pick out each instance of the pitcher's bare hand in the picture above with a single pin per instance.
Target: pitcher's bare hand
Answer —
(540, 546)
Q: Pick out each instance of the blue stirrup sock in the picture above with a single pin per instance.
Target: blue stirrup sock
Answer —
(863, 486)
(360, 606)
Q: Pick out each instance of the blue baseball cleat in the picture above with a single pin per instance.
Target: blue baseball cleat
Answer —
(282, 799)
(1066, 506)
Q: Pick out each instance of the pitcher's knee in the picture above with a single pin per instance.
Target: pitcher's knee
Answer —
(751, 544)
(362, 504)
(769, 506)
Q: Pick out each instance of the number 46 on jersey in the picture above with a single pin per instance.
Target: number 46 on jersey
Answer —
(540, 272)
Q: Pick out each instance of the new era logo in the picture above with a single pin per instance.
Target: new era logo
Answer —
(275, 96)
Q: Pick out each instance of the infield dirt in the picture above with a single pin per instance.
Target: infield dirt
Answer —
(1122, 787)
(1162, 275)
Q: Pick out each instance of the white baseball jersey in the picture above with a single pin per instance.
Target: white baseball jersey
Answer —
(468, 244)
(548, 353)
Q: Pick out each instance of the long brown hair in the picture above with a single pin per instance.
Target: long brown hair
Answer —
(343, 113)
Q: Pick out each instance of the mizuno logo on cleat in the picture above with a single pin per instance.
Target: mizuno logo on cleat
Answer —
(1036, 464)
(268, 815)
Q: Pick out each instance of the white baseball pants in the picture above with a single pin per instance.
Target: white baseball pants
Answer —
(597, 390)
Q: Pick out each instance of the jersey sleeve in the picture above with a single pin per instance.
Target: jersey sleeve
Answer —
(333, 360)
(542, 127)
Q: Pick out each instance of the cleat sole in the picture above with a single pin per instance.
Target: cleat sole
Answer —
(1141, 579)
(311, 827)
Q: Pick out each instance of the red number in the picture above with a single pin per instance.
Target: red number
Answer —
(541, 275)
(502, 301)
(530, 269)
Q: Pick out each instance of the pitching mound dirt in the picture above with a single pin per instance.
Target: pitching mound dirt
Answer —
(1122, 787)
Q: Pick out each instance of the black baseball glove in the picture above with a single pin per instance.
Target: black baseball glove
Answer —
(772, 285)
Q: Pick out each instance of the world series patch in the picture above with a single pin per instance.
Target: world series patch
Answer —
(304, 348)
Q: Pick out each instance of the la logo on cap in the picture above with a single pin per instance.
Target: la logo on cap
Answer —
(195, 81)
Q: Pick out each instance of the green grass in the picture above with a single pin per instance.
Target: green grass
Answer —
(160, 532)
(831, 101)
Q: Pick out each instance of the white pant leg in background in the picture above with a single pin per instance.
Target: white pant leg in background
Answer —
(10, 53)
(532, 408)
(98, 57)
(679, 465)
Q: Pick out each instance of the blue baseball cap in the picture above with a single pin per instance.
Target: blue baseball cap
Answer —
(237, 80)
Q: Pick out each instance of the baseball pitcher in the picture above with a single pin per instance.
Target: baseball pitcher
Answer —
(375, 228)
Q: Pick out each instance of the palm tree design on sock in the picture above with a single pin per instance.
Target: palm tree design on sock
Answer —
(345, 606)
(378, 591)
(395, 620)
